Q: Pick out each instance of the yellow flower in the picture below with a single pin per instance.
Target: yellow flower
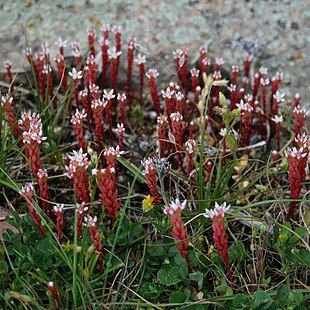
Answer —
(147, 203)
(67, 246)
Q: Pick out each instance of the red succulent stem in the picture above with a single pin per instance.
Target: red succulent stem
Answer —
(91, 34)
(7, 105)
(77, 170)
(77, 123)
(152, 75)
(122, 107)
(8, 68)
(108, 191)
(151, 179)
(130, 59)
(59, 213)
(173, 211)
(297, 162)
(98, 107)
(105, 60)
(55, 294)
(219, 234)
(28, 192)
(247, 61)
(44, 192)
(95, 236)
(141, 79)
(162, 131)
(114, 69)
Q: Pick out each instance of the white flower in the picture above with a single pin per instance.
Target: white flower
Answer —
(108, 94)
(76, 75)
(175, 206)
(277, 119)
(152, 73)
(113, 54)
(140, 59)
(278, 97)
(223, 132)
(176, 117)
(58, 208)
(219, 210)
(60, 42)
(168, 93)
(120, 128)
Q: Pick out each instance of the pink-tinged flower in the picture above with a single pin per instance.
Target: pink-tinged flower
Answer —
(177, 129)
(132, 42)
(247, 61)
(235, 72)
(77, 170)
(121, 98)
(162, 131)
(297, 98)
(91, 33)
(111, 154)
(140, 60)
(120, 129)
(277, 119)
(76, 75)
(300, 115)
(78, 117)
(77, 122)
(173, 211)
(170, 99)
(42, 177)
(297, 162)
(7, 106)
(109, 95)
(59, 212)
(95, 236)
(55, 294)
(152, 74)
(181, 59)
(218, 63)
(32, 137)
(219, 233)
(60, 43)
(105, 29)
(151, 179)
(302, 140)
(190, 145)
(81, 211)
(76, 52)
(114, 55)
(97, 107)
(8, 68)
(195, 75)
(108, 191)
(179, 102)
(27, 192)
(205, 65)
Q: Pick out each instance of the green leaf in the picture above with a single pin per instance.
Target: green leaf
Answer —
(295, 299)
(237, 251)
(149, 291)
(198, 278)
(262, 301)
(169, 277)
(177, 297)
(241, 302)
(282, 293)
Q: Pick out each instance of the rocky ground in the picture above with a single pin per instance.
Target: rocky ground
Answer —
(279, 29)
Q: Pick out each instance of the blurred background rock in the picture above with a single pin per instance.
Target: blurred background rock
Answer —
(279, 31)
